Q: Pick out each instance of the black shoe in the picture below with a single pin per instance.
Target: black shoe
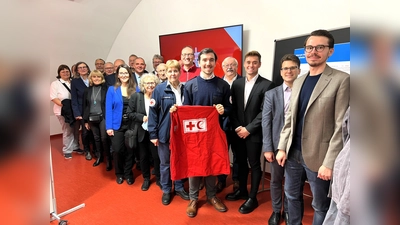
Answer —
(286, 217)
(275, 218)
(79, 151)
(166, 198)
(183, 194)
(220, 186)
(88, 156)
(248, 206)
(130, 181)
(68, 155)
(98, 161)
(109, 165)
(236, 196)
(120, 180)
(146, 184)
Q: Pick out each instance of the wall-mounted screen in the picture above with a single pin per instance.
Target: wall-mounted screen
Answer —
(225, 41)
(340, 59)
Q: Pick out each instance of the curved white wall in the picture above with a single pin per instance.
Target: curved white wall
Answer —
(263, 22)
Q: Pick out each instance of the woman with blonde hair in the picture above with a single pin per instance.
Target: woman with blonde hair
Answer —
(94, 101)
(166, 95)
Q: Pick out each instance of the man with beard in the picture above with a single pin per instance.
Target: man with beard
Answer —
(311, 138)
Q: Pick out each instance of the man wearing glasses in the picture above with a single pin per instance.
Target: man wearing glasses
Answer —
(276, 104)
(311, 138)
(189, 68)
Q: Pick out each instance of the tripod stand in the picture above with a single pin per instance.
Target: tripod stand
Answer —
(53, 205)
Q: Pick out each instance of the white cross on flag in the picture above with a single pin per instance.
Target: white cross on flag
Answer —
(195, 125)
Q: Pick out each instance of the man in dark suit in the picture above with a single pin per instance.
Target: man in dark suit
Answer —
(247, 99)
(276, 104)
(311, 138)
(140, 69)
(229, 65)
(110, 79)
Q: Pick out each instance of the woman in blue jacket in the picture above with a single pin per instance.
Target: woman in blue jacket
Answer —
(165, 95)
(117, 122)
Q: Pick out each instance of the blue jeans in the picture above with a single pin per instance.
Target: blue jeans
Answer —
(165, 175)
(295, 172)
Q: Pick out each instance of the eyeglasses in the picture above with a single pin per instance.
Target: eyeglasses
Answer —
(289, 68)
(187, 54)
(123, 73)
(150, 83)
(82, 67)
(318, 48)
(109, 68)
(229, 65)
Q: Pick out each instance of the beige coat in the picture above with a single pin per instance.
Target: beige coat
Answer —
(321, 139)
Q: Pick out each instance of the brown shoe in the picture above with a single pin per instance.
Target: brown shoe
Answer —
(191, 210)
(235, 185)
(218, 205)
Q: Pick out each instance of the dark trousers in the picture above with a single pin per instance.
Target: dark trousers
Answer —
(251, 151)
(122, 155)
(276, 188)
(230, 137)
(100, 138)
(147, 150)
(165, 173)
(84, 134)
(296, 173)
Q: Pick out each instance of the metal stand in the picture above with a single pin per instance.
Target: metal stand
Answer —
(53, 209)
(263, 177)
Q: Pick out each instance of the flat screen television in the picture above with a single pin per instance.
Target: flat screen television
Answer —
(225, 41)
(340, 59)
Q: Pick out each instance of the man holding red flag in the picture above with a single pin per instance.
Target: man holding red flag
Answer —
(206, 90)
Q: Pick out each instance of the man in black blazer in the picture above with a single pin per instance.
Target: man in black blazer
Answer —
(247, 99)
(110, 79)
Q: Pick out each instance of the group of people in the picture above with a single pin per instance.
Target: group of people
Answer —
(297, 126)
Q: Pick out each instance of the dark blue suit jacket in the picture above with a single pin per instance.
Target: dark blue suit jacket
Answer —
(78, 88)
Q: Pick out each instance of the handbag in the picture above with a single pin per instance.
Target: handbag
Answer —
(131, 137)
(95, 118)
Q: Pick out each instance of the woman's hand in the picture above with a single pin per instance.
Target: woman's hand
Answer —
(110, 132)
(87, 126)
(173, 108)
(154, 141)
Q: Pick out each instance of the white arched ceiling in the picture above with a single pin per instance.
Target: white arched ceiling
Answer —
(85, 29)
(81, 30)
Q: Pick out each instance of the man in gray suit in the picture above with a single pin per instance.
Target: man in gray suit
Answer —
(276, 104)
(311, 138)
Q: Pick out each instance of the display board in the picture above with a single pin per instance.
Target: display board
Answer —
(340, 59)
(225, 41)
